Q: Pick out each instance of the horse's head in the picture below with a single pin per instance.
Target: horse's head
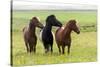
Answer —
(73, 26)
(51, 20)
(36, 22)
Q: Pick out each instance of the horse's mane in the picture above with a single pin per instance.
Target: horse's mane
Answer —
(33, 20)
(70, 22)
(48, 19)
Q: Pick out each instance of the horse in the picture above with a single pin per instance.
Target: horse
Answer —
(63, 35)
(30, 37)
(46, 34)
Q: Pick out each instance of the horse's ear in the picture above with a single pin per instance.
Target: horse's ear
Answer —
(34, 18)
(73, 21)
(30, 20)
(48, 19)
(52, 15)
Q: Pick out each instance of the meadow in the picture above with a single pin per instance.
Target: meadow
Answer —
(84, 45)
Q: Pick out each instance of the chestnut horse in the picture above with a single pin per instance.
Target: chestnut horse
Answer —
(63, 35)
(30, 37)
(46, 34)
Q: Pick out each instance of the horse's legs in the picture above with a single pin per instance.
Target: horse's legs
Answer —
(51, 45)
(34, 48)
(59, 48)
(51, 48)
(45, 47)
(63, 49)
(31, 47)
(27, 46)
(68, 49)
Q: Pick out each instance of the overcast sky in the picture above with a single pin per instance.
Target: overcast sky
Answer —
(49, 5)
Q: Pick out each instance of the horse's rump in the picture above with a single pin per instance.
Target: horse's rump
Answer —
(59, 33)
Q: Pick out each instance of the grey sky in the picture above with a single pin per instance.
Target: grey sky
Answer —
(47, 4)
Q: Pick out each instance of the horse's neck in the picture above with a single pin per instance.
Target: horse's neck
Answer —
(67, 32)
(32, 30)
(48, 28)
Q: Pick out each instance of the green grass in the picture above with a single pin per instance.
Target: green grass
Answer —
(21, 18)
(83, 47)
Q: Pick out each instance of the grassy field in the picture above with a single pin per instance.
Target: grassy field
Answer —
(83, 49)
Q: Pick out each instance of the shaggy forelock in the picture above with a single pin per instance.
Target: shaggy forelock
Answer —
(36, 18)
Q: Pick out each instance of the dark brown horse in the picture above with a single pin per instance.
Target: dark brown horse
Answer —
(30, 37)
(63, 35)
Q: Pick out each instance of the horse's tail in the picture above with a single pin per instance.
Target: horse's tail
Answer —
(40, 36)
(23, 29)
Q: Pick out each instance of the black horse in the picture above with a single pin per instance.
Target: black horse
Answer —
(47, 36)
